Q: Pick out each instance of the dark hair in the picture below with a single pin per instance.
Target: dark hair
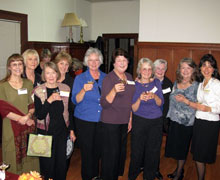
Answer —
(190, 63)
(210, 58)
(119, 52)
(45, 53)
(12, 58)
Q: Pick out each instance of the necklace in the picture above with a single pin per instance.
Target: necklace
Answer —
(144, 84)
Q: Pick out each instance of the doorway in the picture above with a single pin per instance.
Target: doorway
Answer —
(125, 41)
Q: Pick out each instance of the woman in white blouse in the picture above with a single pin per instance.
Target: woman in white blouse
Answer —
(206, 127)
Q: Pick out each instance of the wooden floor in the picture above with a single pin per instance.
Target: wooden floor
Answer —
(167, 165)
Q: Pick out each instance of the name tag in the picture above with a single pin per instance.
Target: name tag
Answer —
(64, 93)
(167, 90)
(206, 90)
(154, 89)
(22, 91)
(130, 82)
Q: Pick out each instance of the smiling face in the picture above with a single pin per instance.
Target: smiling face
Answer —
(50, 76)
(160, 71)
(146, 71)
(207, 70)
(16, 68)
(186, 71)
(93, 62)
(31, 62)
(121, 64)
(63, 66)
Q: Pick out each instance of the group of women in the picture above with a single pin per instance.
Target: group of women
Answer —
(105, 108)
(49, 101)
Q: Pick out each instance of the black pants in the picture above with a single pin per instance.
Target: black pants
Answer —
(55, 167)
(89, 143)
(146, 138)
(114, 142)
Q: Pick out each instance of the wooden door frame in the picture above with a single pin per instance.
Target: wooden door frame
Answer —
(22, 18)
(129, 36)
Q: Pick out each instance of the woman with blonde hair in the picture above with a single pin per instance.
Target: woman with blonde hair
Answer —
(63, 61)
(31, 61)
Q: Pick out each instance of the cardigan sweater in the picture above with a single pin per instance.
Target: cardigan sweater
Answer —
(41, 92)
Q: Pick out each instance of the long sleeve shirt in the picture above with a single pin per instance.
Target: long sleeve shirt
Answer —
(117, 112)
(89, 109)
(209, 96)
(149, 109)
(179, 111)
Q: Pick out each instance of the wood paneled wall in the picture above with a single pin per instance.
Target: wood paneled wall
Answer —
(76, 50)
(174, 52)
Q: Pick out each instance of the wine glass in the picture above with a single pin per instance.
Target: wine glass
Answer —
(3, 166)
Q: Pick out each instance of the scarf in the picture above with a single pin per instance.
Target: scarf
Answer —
(20, 131)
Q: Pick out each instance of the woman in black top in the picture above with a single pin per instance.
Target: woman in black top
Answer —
(63, 61)
(45, 57)
(51, 104)
(160, 70)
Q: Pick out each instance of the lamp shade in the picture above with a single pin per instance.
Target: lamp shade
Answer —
(83, 22)
(70, 19)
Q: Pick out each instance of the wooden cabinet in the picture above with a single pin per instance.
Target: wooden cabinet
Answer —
(76, 50)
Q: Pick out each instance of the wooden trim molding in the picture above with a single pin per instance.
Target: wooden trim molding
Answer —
(174, 52)
(22, 18)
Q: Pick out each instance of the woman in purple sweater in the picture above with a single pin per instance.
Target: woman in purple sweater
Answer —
(117, 92)
(146, 135)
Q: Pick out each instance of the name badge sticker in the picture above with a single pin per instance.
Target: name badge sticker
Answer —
(167, 90)
(64, 93)
(154, 89)
(130, 82)
(22, 91)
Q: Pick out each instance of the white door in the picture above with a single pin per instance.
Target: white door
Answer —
(10, 39)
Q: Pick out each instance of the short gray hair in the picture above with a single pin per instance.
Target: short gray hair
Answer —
(142, 61)
(90, 51)
(157, 62)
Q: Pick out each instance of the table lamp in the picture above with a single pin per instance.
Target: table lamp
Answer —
(83, 24)
(70, 19)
